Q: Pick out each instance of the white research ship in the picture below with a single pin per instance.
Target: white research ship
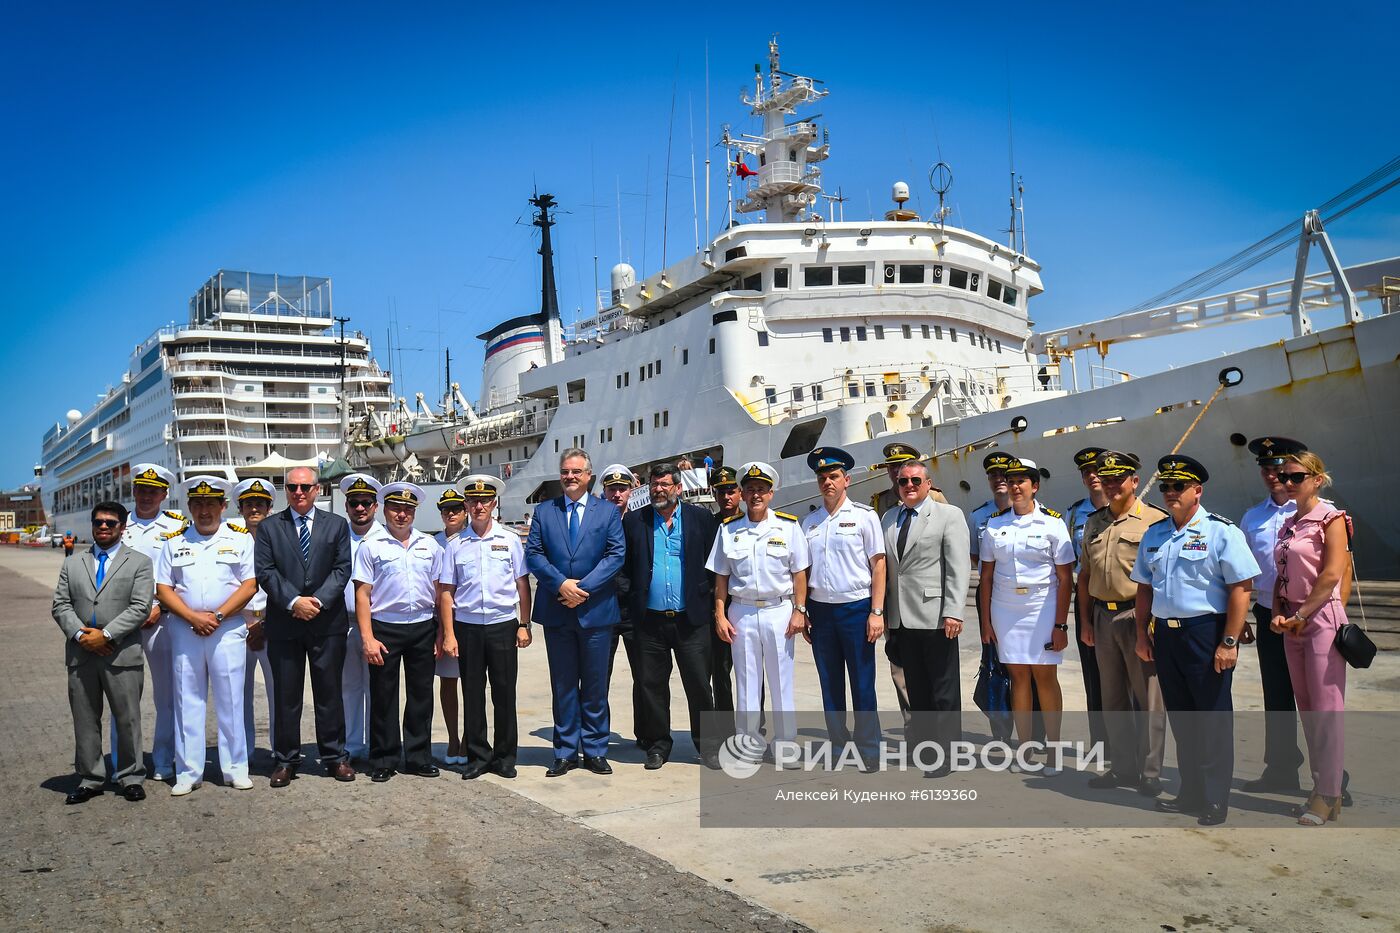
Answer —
(804, 330)
(250, 385)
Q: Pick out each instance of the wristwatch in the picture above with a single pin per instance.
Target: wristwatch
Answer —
(877, 612)
(522, 625)
(218, 616)
(1061, 627)
(1230, 641)
(801, 609)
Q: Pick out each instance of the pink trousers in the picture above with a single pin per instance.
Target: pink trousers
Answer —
(1319, 676)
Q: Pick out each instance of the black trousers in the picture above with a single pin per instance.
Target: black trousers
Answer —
(411, 646)
(658, 637)
(624, 634)
(487, 654)
(1093, 688)
(930, 662)
(289, 657)
(1199, 705)
(721, 672)
(1282, 756)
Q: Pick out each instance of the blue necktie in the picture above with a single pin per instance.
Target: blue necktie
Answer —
(573, 523)
(101, 567)
(304, 536)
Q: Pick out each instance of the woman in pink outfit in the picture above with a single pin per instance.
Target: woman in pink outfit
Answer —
(1312, 557)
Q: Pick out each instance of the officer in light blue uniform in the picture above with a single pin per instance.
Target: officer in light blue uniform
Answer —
(1194, 575)
(1080, 510)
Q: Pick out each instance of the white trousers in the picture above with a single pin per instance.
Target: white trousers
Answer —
(155, 642)
(354, 694)
(761, 646)
(219, 660)
(257, 659)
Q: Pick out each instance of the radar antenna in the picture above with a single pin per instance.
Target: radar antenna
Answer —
(940, 179)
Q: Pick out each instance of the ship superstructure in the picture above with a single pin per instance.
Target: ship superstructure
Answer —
(251, 384)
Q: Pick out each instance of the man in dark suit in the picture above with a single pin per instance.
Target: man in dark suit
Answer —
(575, 550)
(672, 602)
(302, 559)
(103, 598)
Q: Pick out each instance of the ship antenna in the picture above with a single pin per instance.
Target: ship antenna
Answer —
(694, 201)
(666, 181)
(707, 151)
(940, 179)
(1021, 198)
(1011, 156)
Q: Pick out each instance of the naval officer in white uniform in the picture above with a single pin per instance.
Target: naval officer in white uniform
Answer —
(206, 578)
(361, 508)
(254, 497)
(147, 530)
(760, 564)
(1027, 556)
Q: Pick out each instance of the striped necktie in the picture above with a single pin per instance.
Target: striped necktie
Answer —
(304, 536)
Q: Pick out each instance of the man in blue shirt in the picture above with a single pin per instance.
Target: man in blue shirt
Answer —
(672, 597)
(1194, 575)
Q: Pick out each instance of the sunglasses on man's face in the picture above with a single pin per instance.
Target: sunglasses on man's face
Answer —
(300, 487)
(452, 509)
(359, 503)
(106, 522)
(1173, 487)
(911, 481)
(1293, 479)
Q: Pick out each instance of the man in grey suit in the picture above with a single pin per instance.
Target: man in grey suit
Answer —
(103, 597)
(926, 547)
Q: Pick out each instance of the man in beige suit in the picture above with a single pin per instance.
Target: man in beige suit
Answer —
(926, 549)
(103, 597)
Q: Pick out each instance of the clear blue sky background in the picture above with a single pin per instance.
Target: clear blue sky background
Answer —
(393, 149)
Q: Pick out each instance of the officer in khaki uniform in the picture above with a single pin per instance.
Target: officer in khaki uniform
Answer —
(1106, 599)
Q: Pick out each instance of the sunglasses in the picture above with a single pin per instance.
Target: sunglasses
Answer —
(300, 487)
(450, 509)
(106, 522)
(1172, 487)
(1293, 478)
(360, 503)
(911, 481)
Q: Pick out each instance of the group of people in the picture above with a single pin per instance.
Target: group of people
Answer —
(1162, 601)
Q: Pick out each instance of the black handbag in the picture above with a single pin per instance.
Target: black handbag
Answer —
(1354, 645)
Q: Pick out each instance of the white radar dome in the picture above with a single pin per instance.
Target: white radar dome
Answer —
(236, 298)
(623, 277)
(900, 192)
(74, 416)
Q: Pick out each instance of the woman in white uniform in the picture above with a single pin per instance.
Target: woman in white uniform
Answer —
(1027, 555)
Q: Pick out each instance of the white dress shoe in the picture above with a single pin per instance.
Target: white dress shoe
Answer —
(182, 788)
(242, 783)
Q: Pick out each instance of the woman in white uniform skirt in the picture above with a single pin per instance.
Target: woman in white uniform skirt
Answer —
(1027, 555)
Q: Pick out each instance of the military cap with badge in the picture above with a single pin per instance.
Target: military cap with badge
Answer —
(1272, 451)
(410, 494)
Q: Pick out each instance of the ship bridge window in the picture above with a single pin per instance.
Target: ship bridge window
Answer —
(763, 338)
(816, 276)
(957, 278)
(911, 274)
(720, 317)
(1008, 295)
(771, 395)
(826, 335)
(850, 275)
(860, 333)
(797, 393)
(802, 439)
(780, 277)
(994, 289)
(908, 332)
(845, 335)
(998, 343)
(575, 391)
(879, 332)
(685, 357)
(753, 283)
(953, 334)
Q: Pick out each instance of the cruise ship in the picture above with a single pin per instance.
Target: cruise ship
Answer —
(802, 329)
(257, 381)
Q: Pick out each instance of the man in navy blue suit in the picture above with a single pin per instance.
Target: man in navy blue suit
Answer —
(575, 550)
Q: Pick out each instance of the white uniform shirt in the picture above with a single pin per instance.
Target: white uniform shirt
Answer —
(759, 559)
(485, 571)
(375, 530)
(205, 569)
(1261, 525)
(400, 576)
(1026, 548)
(148, 535)
(841, 544)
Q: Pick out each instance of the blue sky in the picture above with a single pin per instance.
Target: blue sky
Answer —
(394, 151)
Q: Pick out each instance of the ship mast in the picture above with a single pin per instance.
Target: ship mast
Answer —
(788, 181)
(549, 295)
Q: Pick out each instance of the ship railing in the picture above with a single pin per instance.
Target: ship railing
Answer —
(525, 424)
(251, 327)
(211, 367)
(201, 411)
(289, 350)
(253, 434)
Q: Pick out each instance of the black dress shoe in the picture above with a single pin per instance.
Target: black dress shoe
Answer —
(1112, 779)
(1178, 805)
(1212, 814)
(561, 767)
(654, 762)
(711, 760)
(1346, 794)
(473, 771)
(938, 773)
(502, 770)
(599, 764)
(82, 795)
(1150, 787)
(134, 792)
(1268, 783)
(380, 775)
(428, 770)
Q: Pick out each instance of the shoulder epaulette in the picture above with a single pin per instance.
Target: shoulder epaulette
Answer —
(732, 518)
(788, 515)
(1051, 512)
(862, 505)
(175, 515)
(1219, 518)
(236, 527)
(1002, 512)
(875, 500)
(1074, 505)
(173, 534)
